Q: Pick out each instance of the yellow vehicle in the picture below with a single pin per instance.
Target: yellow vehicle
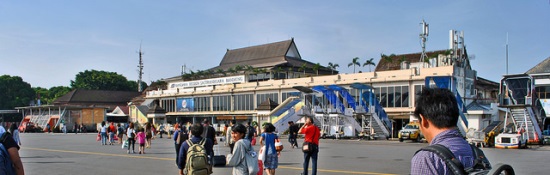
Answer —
(411, 131)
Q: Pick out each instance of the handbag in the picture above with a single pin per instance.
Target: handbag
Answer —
(253, 142)
(261, 154)
(278, 145)
(309, 147)
(251, 161)
(98, 138)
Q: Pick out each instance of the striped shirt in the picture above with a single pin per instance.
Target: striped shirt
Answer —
(425, 162)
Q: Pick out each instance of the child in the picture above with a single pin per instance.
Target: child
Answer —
(141, 140)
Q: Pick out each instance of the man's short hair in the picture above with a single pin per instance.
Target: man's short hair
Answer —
(206, 121)
(438, 106)
(196, 129)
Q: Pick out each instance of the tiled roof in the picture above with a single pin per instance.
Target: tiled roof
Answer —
(542, 67)
(475, 106)
(83, 96)
(395, 64)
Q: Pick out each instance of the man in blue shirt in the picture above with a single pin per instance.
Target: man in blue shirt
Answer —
(438, 112)
(196, 131)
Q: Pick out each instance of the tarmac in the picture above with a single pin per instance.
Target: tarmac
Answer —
(66, 154)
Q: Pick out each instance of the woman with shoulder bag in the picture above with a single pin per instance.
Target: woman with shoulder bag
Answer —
(271, 154)
(311, 145)
(240, 159)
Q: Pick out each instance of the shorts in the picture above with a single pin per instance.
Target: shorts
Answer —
(142, 144)
(271, 161)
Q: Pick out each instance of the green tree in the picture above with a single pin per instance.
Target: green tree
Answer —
(14, 92)
(221, 72)
(388, 59)
(354, 63)
(58, 91)
(369, 62)
(303, 68)
(101, 80)
(316, 68)
(332, 67)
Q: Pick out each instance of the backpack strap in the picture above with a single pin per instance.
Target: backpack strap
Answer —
(4, 136)
(447, 156)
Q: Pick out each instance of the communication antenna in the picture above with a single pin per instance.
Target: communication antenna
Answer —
(424, 38)
(506, 53)
(140, 66)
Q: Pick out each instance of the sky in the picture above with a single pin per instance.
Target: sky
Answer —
(47, 43)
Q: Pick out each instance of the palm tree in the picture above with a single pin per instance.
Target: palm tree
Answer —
(210, 73)
(186, 76)
(220, 71)
(192, 75)
(388, 59)
(239, 68)
(232, 71)
(369, 62)
(354, 62)
(303, 68)
(278, 71)
(289, 69)
(332, 67)
(200, 74)
(316, 68)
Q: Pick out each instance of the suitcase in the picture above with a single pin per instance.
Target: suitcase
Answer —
(219, 159)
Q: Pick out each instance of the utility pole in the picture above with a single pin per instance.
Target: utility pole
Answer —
(140, 66)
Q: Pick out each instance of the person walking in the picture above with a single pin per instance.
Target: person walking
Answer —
(250, 132)
(131, 134)
(237, 158)
(271, 158)
(311, 141)
(103, 133)
(75, 128)
(196, 132)
(180, 135)
(148, 134)
(15, 134)
(141, 140)
(228, 138)
(120, 133)
(292, 134)
(112, 131)
(438, 112)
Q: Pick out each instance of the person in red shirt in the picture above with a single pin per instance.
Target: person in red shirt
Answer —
(112, 131)
(311, 135)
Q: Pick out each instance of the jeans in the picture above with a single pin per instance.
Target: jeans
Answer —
(111, 137)
(132, 142)
(177, 151)
(313, 157)
(292, 140)
(103, 138)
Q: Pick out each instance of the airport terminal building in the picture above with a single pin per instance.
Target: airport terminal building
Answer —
(268, 74)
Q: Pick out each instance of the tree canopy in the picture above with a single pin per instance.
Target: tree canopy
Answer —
(102, 80)
(14, 92)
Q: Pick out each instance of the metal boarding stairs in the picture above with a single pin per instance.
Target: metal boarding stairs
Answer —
(286, 111)
(448, 82)
(523, 117)
(337, 117)
(523, 106)
(377, 118)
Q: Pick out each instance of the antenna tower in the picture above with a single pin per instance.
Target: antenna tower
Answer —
(140, 66)
(424, 38)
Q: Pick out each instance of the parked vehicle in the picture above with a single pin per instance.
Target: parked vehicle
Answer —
(411, 131)
(510, 141)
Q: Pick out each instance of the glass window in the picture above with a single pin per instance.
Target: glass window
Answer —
(404, 96)
(417, 90)
(384, 96)
(391, 96)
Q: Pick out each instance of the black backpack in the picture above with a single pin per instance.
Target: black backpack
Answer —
(250, 132)
(481, 163)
